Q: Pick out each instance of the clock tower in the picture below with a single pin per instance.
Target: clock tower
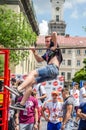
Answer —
(57, 23)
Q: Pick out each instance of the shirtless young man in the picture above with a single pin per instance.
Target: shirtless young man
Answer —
(53, 58)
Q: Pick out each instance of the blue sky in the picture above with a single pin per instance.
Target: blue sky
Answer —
(74, 16)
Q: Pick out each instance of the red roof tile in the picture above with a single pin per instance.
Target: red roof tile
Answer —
(63, 41)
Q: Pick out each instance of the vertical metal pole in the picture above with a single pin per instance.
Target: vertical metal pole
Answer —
(6, 92)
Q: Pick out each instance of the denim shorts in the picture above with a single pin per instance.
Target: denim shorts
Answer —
(52, 126)
(47, 73)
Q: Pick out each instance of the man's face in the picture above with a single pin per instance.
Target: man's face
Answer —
(85, 86)
(54, 96)
(77, 86)
(47, 42)
(63, 94)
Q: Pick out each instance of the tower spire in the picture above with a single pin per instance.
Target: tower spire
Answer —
(57, 23)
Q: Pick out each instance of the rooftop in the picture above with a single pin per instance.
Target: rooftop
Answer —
(64, 41)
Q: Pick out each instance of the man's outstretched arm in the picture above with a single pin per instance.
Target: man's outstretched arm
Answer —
(37, 57)
(54, 40)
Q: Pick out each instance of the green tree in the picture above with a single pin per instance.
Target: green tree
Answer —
(1, 65)
(81, 74)
(15, 32)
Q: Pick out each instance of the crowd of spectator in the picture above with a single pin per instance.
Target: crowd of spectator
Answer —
(58, 112)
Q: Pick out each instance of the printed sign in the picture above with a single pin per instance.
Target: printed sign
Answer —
(56, 84)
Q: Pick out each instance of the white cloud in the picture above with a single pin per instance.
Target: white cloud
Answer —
(68, 5)
(75, 14)
(71, 4)
(74, 6)
(80, 1)
(76, 1)
(84, 13)
(43, 27)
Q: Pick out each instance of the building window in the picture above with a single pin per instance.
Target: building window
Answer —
(58, 27)
(62, 34)
(57, 8)
(62, 27)
(63, 74)
(39, 51)
(78, 52)
(54, 26)
(69, 51)
(63, 51)
(85, 52)
(68, 76)
(63, 62)
(57, 18)
(69, 62)
(78, 62)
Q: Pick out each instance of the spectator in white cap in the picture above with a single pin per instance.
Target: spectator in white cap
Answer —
(83, 93)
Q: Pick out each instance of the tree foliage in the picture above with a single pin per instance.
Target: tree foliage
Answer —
(1, 65)
(15, 32)
(81, 74)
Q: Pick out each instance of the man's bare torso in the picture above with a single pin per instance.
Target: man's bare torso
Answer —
(55, 61)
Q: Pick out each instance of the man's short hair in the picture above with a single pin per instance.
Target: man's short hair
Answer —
(84, 83)
(48, 36)
(66, 90)
(13, 80)
(33, 93)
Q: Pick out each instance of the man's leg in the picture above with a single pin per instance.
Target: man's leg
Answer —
(23, 126)
(69, 125)
(29, 81)
(30, 126)
(21, 105)
(37, 76)
(26, 95)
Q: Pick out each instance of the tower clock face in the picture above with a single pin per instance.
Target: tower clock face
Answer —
(57, 8)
